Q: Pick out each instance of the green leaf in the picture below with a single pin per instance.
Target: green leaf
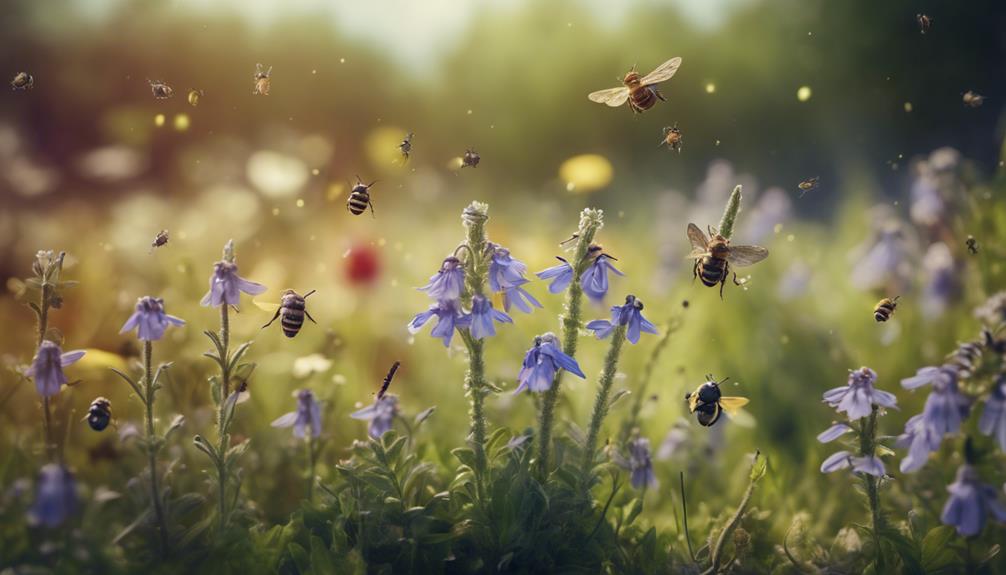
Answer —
(205, 446)
(936, 551)
(423, 415)
(634, 509)
(993, 552)
(300, 557)
(236, 356)
(132, 384)
(34, 308)
(321, 559)
(759, 468)
(465, 455)
(617, 396)
(177, 422)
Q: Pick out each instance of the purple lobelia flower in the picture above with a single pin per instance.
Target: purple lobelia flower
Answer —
(308, 415)
(993, 421)
(226, 286)
(639, 463)
(504, 270)
(381, 414)
(970, 502)
(448, 283)
(561, 275)
(594, 279)
(481, 320)
(834, 432)
(47, 367)
(630, 314)
(448, 316)
(946, 407)
(858, 397)
(920, 439)
(149, 320)
(871, 465)
(55, 498)
(542, 362)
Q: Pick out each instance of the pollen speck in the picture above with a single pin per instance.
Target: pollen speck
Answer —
(710, 88)
(315, 172)
(342, 60)
(346, 253)
(804, 93)
(394, 282)
(334, 191)
(469, 112)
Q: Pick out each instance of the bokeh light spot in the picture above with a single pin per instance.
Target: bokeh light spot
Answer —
(586, 173)
(804, 93)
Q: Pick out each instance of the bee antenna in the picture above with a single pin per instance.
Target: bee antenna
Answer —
(722, 382)
(709, 377)
(309, 293)
(372, 183)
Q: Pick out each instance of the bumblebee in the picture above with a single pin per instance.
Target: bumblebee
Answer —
(471, 158)
(673, 138)
(885, 308)
(23, 81)
(639, 91)
(160, 90)
(262, 82)
(159, 240)
(387, 379)
(972, 245)
(808, 185)
(194, 96)
(406, 146)
(292, 310)
(925, 22)
(99, 414)
(973, 99)
(708, 402)
(359, 198)
(714, 255)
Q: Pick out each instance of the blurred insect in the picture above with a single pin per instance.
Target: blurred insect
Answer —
(641, 93)
(885, 308)
(359, 198)
(291, 311)
(808, 185)
(99, 414)
(194, 96)
(471, 158)
(262, 82)
(159, 240)
(387, 379)
(673, 138)
(23, 81)
(972, 245)
(406, 146)
(714, 255)
(160, 90)
(925, 22)
(973, 99)
(708, 402)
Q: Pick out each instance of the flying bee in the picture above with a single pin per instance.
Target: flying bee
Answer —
(925, 22)
(471, 158)
(973, 99)
(359, 198)
(23, 81)
(673, 138)
(194, 96)
(714, 255)
(406, 146)
(99, 414)
(387, 379)
(808, 185)
(972, 245)
(885, 308)
(291, 311)
(262, 82)
(708, 402)
(640, 92)
(160, 90)
(159, 240)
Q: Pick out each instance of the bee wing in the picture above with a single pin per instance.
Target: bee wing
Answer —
(732, 404)
(266, 305)
(697, 254)
(663, 72)
(741, 256)
(693, 401)
(698, 239)
(613, 97)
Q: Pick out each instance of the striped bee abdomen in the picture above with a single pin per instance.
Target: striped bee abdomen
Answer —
(884, 309)
(712, 270)
(292, 315)
(358, 202)
(643, 98)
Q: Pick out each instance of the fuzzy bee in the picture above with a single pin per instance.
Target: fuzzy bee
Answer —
(160, 90)
(808, 185)
(99, 414)
(471, 158)
(972, 245)
(387, 379)
(23, 81)
(406, 146)
(159, 240)
(673, 138)
(885, 308)
(640, 92)
(194, 96)
(925, 22)
(262, 82)
(714, 255)
(359, 198)
(292, 310)
(707, 402)
(973, 99)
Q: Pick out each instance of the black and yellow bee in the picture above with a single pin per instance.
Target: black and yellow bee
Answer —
(708, 402)
(99, 414)
(23, 81)
(714, 255)
(885, 308)
(359, 198)
(471, 158)
(160, 90)
(292, 310)
(406, 146)
(673, 138)
(159, 240)
(808, 185)
(972, 245)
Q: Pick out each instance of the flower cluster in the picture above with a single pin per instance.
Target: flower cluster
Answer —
(506, 276)
(381, 414)
(639, 463)
(55, 497)
(306, 419)
(630, 314)
(226, 286)
(858, 399)
(542, 362)
(150, 320)
(593, 279)
(47, 367)
(945, 410)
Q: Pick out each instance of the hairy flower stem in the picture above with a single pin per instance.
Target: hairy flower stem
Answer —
(640, 394)
(726, 228)
(868, 448)
(591, 220)
(716, 558)
(601, 401)
(152, 445)
(474, 218)
(225, 384)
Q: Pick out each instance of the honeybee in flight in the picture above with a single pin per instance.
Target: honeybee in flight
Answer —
(406, 146)
(160, 90)
(291, 311)
(973, 99)
(714, 255)
(640, 92)
(673, 138)
(808, 185)
(23, 81)
(708, 402)
(262, 82)
(885, 308)
(359, 198)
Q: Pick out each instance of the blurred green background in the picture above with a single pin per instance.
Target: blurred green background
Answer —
(92, 164)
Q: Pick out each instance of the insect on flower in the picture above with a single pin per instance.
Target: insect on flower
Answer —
(640, 92)
(359, 198)
(925, 22)
(708, 402)
(160, 239)
(471, 158)
(714, 255)
(406, 146)
(594, 279)
(291, 311)
(23, 81)
(262, 81)
(542, 362)
(673, 138)
(160, 90)
(885, 308)
(973, 99)
(808, 185)
(99, 414)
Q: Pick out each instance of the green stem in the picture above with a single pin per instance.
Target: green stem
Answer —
(155, 492)
(868, 448)
(717, 550)
(601, 401)
(225, 376)
(474, 218)
(640, 394)
(311, 462)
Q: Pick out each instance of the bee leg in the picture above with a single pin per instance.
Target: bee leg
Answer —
(657, 93)
(308, 314)
(695, 271)
(273, 318)
(372, 213)
(737, 283)
(723, 282)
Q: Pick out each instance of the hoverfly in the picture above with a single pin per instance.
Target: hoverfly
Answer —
(406, 146)
(708, 402)
(973, 99)
(23, 81)
(194, 96)
(387, 379)
(673, 138)
(291, 311)
(972, 245)
(885, 308)
(471, 158)
(99, 414)
(359, 198)
(159, 240)
(808, 185)
(160, 90)
(925, 22)
(641, 93)
(262, 82)
(714, 255)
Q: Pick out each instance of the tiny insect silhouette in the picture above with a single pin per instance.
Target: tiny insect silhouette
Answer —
(292, 310)
(262, 80)
(972, 99)
(23, 81)
(405, 148)
(808, 185)
(885, 308)
(359, 198)
(471, 158)
(673, 138)
(972, 245)
(194, 96)
(159, 240)
(387, 379)
(925, 22)
(160, 90)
